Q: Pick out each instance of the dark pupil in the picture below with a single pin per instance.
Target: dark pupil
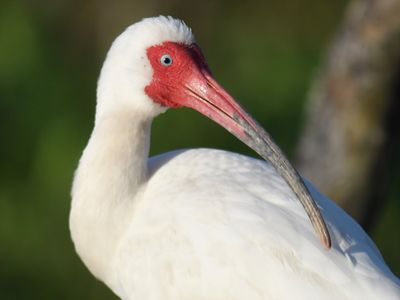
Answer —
(166, 60)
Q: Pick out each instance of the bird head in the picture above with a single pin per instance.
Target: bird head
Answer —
(156, 64)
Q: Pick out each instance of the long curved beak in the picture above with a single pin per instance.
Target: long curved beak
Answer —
(210, 99)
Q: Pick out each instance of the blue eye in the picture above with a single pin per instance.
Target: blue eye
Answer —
(166, 60)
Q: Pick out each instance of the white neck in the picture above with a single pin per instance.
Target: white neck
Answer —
(107, 184)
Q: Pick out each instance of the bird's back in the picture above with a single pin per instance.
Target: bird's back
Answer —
(216, 225)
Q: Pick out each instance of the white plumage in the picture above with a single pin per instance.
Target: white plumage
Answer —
(201, 224)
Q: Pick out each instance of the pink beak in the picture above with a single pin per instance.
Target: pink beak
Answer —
(210, 99)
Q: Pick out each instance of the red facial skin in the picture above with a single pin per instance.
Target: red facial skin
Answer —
(168, 85)
(188, 82)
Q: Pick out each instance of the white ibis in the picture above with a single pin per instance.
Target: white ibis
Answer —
(204, 224)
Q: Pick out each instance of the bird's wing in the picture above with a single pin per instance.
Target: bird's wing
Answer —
(218, 225)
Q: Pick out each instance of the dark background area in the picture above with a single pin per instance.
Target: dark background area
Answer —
(264, 52)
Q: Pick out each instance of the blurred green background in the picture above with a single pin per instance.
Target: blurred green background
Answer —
(264, 52)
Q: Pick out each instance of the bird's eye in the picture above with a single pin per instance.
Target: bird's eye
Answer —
(166, 60)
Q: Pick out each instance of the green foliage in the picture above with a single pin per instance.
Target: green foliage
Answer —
(50, 55)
